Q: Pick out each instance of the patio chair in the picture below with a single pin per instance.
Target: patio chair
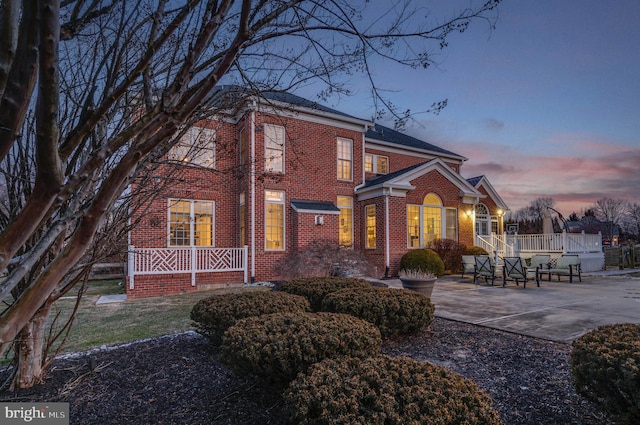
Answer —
(468, 264)
(538, 262)
(514, 269)
(484, 267)
(567, 265)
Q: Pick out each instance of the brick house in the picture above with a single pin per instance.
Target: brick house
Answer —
(302, 172)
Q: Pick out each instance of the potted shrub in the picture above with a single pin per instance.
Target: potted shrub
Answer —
(418, 280)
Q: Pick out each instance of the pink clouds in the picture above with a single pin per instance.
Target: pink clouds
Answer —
(575, 177)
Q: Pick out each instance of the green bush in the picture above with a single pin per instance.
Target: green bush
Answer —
(475, 250)
(393, 311)
(316, 288)
(450, 252)
(213, 315)
(276, 347)
(605, 367)
(426, 260)
(386, 391)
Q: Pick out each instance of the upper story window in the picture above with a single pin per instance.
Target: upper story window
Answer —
(274, 148)
(190, 222)
(196, 147)
(244, 151)
(345, 159)
(376, 164)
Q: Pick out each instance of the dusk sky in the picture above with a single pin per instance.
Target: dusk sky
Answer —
(545, 105)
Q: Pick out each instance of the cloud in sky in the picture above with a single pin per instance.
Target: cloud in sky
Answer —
(574, 178)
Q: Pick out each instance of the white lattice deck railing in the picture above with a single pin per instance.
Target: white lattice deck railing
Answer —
(151, 261)
(566, 243)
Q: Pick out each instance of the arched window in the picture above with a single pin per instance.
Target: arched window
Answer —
(483, 220)
(432, 217)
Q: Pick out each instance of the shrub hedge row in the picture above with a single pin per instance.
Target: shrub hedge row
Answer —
(386, 391)
(215, 314)
(392, 311)
(277, 347)
(316, 288)
(605, 367)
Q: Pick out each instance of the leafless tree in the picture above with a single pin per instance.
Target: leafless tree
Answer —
(111, 84)
(611, 212)
(632, 219)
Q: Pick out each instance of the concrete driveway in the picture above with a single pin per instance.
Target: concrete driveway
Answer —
(556, 311)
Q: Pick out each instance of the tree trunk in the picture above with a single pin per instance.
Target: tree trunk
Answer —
(29, 354)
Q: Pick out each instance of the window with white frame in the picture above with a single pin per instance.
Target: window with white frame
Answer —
(243, 218)
(430, 221)
(274, 220)
(376, 164)
(191, 222)
(345, 228)
(370, 226)
(196, 147)
(345, 159)
(483, 220)
(274, 148)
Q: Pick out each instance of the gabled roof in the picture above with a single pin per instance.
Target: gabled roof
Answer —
(482, 181)
(320, 207)
(381, 134)
(399, 183)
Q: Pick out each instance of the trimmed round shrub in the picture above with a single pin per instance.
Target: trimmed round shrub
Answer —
(215, 314)
(276, 347)
(392, 311)
(475, 250)
(605, 367)
(450, 253)
(316, 288)
(386, 391)
(426, 260)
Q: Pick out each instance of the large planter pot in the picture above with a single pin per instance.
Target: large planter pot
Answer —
(423, 286)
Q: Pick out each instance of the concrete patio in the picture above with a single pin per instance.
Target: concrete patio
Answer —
(556, 311)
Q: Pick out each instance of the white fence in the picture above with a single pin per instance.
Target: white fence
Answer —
(151, 261)
(587, 246)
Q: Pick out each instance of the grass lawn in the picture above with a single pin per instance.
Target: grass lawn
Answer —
(120, 322)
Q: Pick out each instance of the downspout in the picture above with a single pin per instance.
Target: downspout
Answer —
(364, 130)
(253, 192)
(387, 255)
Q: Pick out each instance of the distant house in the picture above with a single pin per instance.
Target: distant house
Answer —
(303, 172)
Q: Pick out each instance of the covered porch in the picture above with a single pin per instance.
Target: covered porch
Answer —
(587, 246)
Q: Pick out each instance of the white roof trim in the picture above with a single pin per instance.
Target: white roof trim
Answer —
(399, 148)
(492, 193)
(402, 183)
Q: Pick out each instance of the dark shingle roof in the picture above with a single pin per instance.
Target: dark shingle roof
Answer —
(473, 181)
(304, 205)
(386, 177)
(385, 134)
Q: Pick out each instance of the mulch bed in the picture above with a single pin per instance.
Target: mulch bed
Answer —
(179, 380)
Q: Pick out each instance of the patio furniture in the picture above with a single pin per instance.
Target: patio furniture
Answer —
(538, 261)
(567, 265)
(514, 269)
(484, 267)
(468, 264)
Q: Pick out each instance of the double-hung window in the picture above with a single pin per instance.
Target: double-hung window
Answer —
(196, 147)
(274, 148)
(376, 164)
(274, 220)
(345, 159)
(191, 222)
